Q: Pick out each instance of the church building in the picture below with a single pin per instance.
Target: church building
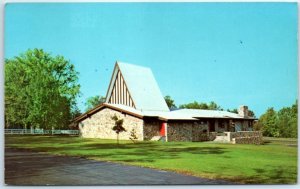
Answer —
(134, 96)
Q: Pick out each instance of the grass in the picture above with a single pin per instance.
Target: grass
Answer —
(275, 162)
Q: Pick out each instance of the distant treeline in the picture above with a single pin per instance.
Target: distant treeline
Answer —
(283, 123)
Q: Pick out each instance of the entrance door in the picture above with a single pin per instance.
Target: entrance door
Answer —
(162, 130)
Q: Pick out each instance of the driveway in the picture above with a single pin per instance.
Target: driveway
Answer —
(23, 167)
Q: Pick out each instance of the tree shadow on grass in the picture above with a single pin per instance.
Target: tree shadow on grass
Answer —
(275, 175)
(289, 143)
(266, 142)
(128, 152)
(149, 152)
(135, 152)
(198, 150)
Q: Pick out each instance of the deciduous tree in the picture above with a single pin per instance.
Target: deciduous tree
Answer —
(170, 102)
(233, 111)
(288, 122)
(118, 126)
(94, 101)
(283, 123)
(269, 123)
(195, 105)
(40, 90)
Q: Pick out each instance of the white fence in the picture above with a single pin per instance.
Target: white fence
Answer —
(41, 131)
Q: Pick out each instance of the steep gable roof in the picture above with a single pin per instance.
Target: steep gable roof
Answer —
(141, 87)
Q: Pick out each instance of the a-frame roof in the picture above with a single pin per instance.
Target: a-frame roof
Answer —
(141, 85)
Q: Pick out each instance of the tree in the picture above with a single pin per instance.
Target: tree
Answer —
(133, 136)
(287, 121)
(118, 126)
(279, 124)
(195, 105)
(233, 111)
(213, 106)
(268, 122)
(251, 113)
(170, 102)
(257, 126)
(94, 101)
(40, 90)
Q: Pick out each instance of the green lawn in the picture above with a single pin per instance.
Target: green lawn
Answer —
(271, 163)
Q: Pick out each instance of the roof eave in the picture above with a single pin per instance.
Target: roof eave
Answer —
(241, 118)
(101, 106)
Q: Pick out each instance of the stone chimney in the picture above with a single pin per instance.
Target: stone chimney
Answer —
(243, 111)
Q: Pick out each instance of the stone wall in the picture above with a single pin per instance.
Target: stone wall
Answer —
(151, 129)
(212, 136)
(247, 137)
(248, 140)
(100, 124)
(187, 131)
(179, 131)
(200, 132)
(246, 134)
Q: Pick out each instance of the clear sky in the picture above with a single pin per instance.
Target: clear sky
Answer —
(230, 53)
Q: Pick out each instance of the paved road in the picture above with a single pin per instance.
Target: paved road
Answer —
(24, 167)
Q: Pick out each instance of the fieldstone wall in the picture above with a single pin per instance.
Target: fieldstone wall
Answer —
(247, 137)
(212, 136)
(248, 140)
(100, 124)
(179, 131)
(200, 132)
(151, 129)
(246, 134)
(187, 131)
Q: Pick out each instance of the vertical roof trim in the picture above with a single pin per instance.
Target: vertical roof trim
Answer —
(141, 86)
(113, 82)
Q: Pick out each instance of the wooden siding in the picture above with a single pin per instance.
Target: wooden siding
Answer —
(120, 93)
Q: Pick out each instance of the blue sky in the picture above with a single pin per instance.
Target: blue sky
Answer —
(230, 53)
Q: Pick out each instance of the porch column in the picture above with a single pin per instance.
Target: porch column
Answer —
(226, 125)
